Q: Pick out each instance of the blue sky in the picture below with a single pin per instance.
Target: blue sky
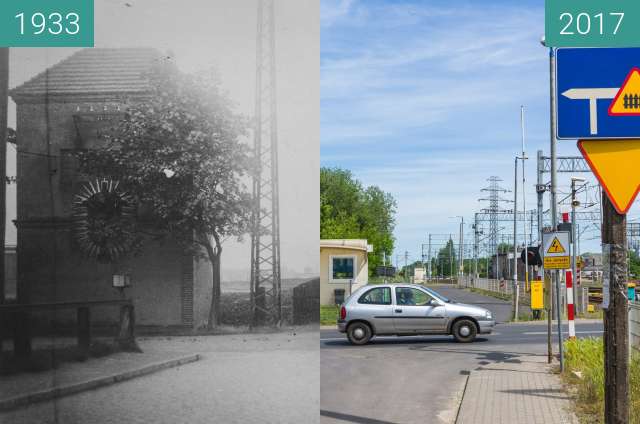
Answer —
(423, 99)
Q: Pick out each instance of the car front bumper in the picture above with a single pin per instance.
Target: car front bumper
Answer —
(342, 326)
(486, 326)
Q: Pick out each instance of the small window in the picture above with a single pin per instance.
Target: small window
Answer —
(343, 268)
(377, 296)
(411, 297)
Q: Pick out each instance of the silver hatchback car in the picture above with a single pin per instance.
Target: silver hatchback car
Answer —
(408, 309)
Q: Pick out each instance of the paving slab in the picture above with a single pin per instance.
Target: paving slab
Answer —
(524, 390)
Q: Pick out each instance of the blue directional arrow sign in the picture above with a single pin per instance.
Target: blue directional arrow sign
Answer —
(588, 80)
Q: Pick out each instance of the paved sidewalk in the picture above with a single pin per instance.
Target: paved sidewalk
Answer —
(243, 379)
(118, 365)
(522, 390)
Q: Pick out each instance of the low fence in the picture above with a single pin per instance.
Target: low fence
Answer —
(634, 325)
(503, 287)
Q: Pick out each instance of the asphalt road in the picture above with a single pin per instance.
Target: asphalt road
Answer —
(419, 379)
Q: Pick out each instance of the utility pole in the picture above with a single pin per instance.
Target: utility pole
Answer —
(524, 208)
(266, 294)
(406, 269)
(430, 257)
(450, 257)
(540, 189)
(461, 255)
(476, 234)
(4, 99)
(515, 240)
(616, 324)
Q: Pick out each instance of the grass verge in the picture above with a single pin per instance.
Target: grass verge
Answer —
(584, 372)
(328, 314)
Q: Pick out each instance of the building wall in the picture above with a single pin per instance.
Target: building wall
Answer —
(51, 266)
(327, 288)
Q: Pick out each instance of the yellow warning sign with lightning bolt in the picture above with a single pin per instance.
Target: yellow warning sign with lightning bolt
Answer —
(556, 247)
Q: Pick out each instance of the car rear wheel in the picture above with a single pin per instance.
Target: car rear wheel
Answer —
(464, 331)
(359, 333)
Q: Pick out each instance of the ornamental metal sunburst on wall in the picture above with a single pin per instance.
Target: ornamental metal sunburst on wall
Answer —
(104, 220)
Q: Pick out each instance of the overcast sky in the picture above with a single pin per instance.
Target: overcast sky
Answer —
(222, 33)
(422, 98)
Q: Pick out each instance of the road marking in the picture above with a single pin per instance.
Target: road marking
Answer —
(539, 333)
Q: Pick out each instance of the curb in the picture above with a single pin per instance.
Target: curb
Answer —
(464, 391)
(58, 392)
(329, 327)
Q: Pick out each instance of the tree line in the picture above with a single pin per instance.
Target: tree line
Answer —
(349, 210)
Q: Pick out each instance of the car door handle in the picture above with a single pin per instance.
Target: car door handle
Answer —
(399, 310)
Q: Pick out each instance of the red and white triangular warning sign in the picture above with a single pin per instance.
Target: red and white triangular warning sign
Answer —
(627, 101)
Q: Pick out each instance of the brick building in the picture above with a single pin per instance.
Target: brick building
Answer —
(58, 111)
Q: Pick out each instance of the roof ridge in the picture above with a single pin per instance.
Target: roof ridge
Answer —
(63, 75)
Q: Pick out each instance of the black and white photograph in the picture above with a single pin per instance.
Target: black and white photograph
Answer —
(161, 257)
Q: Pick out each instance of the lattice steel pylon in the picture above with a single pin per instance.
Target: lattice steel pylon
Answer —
(266, 302)
(494, 209)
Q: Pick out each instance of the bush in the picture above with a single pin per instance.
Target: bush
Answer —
(586, 356)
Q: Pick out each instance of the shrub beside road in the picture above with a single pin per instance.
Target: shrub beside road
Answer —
(584, 372)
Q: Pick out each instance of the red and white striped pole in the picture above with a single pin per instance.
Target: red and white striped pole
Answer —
(570, 307)
(570, 301)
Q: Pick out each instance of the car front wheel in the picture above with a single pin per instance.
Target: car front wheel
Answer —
(464, 331)
(359, 333)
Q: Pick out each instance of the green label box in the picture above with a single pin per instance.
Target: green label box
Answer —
(46, 23)
(592, 23)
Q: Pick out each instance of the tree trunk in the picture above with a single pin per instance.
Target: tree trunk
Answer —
(214, 257)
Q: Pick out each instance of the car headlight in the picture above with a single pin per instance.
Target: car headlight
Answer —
(488, 315)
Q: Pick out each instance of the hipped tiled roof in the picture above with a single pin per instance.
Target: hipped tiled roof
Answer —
(94, 71)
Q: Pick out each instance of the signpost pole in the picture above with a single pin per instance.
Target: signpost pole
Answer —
(552, 189)
(616, 324)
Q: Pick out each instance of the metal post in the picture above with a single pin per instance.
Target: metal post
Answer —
(616, 324)
(515, 239)
(450, 257)
(430, 276)
(524, 207)
(553, 188)
(461, 255)
(406, 269)
(573, 239)
(475, 247)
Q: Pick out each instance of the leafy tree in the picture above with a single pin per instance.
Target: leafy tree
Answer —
(178, 152)
(348, 210)
(445, 262)
(634, 264)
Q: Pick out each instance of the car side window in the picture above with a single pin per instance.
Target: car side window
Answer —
(377, 296)
(411, 297)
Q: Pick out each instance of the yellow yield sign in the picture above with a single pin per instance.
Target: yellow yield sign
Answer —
(556, 247)
(615, 165)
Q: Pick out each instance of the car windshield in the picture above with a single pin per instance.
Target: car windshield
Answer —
(437, 295)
